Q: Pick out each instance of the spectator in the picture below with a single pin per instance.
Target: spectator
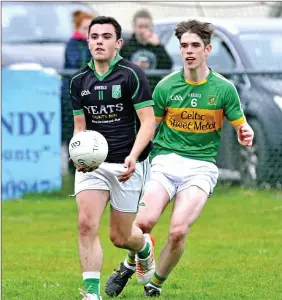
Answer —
(77, 53)
(144, 47)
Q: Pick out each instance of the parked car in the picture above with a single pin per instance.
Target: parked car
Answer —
(37, 32)
(239, 46)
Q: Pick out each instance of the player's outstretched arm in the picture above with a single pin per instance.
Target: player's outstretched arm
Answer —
(245, 134)
(144, 136)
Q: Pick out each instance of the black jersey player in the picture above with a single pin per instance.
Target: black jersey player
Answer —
(112, 96)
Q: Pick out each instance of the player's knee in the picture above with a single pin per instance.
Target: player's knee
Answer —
(145, 225)
(177, 235)
(119, 240)
(86, 226)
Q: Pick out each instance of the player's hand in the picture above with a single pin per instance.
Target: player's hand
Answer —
(130, 164)
(245, 135)
(83, 169)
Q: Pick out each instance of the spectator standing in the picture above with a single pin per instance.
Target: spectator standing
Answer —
(77, 56)
(144, 48)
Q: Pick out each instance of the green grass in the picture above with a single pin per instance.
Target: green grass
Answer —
(234, 250)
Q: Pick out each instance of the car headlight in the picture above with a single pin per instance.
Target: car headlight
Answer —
(278, 101)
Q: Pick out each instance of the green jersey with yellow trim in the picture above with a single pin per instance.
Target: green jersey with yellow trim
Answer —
(192, 114)
(109, 103)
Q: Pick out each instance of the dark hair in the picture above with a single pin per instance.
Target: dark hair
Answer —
(142, 13)
(203, 29)
(107, 20)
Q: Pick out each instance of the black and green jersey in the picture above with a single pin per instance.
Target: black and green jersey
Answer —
(109, 103)
(193, 114)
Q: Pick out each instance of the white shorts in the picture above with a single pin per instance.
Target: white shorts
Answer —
(124, 197)
(176, 173)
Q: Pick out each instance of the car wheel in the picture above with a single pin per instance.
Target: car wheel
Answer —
(253, 166)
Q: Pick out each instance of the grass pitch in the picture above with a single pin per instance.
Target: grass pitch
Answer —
(234, 250)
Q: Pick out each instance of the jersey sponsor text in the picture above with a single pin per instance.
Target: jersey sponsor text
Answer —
(194, 119)
(100, 87)
(104, 109)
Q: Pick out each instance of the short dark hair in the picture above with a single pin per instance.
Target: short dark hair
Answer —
(107, 20)
(142, 13)
(203, 29)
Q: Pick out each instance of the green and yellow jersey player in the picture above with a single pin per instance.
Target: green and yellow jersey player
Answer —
(190, 105)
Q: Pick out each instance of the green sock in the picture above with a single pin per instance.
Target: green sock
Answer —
(157, 281)
(92, 286)
(145, 251)
(130, 260)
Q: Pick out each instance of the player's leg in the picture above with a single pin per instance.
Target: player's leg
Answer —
(192, 195)
(155, 199)
(151, 206)
(148, 215)
(91, 204)
(187, 208)
(147, 218)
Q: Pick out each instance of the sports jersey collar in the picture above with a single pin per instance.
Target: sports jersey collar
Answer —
(113, 62)
(198, 82)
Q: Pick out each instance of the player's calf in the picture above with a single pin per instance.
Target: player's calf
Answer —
(143, 262)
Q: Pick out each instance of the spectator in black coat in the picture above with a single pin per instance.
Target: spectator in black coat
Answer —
(144, 47)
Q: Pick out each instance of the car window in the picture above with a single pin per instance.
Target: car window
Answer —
(35, 22)
(220, 57)
(164, 32)
(263, 49)
(172, 46)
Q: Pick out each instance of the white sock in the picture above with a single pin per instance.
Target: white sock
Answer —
(143, 248)
(89, 275)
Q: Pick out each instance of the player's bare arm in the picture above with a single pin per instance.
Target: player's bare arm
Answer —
(79, 123)
(144, 136)
(245, 134)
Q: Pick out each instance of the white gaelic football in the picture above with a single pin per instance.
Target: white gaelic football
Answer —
(88, 148)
